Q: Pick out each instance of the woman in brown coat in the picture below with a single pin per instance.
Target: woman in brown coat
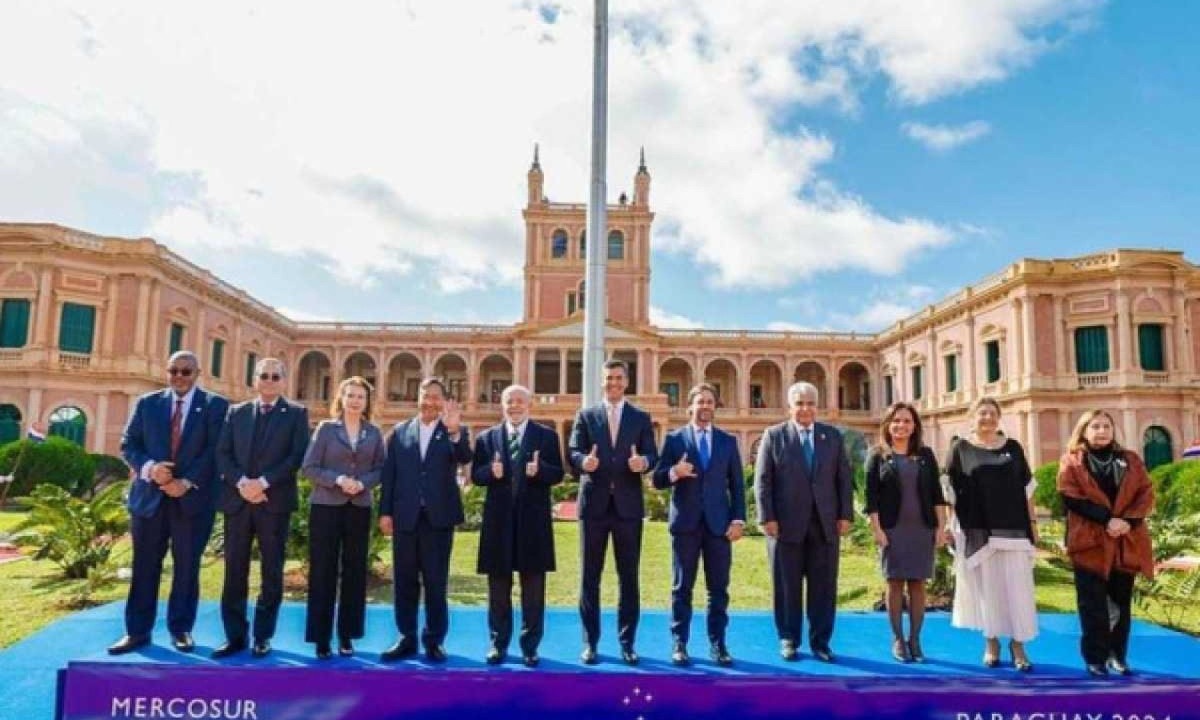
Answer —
(1108, 496)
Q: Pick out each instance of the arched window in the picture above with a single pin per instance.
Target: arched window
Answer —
(69, 422)
(558, 244)
(616, 245)
(10, 424)
(1156, 447)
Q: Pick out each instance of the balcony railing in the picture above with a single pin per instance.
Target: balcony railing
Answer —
(11, 356)
(1155, 377)
(74, 360)
(1092, 380)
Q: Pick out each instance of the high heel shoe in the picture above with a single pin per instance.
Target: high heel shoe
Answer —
(991, 654)
(915, 652)
(1022, 663)
(900, 651)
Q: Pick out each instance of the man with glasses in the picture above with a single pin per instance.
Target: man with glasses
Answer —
(260, 451)
(170, 442)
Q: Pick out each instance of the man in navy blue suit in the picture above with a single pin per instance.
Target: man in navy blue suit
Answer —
(612, 446)
(701, 465)
(261, 448)
(419, 508)
(169, 442)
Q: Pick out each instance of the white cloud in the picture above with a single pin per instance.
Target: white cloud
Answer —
(392, 138)
(303, 316)
(666, 319)
(941, 138)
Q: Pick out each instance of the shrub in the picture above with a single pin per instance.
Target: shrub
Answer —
(56, 461)
(565, 491)
(108, 469)
(75, 534)
(658, 503)
(1177, 488)
(473, 497)
(1046, 495)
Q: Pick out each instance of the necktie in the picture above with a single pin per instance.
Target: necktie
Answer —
(514, 447)
(267, 408)
(176, 428)
(614, 421)
(705, 451)
(806, 441)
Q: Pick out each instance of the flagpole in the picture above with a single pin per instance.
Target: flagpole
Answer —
(595, 295)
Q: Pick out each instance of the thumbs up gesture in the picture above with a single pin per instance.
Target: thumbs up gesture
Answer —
(497, 465)
(591, 462)
(683, 468)
(531, 467)
(637, 463)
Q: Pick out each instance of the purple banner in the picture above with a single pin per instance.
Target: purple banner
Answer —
(92, 691)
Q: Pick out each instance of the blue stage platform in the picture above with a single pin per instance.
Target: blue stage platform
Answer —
(1161, 657)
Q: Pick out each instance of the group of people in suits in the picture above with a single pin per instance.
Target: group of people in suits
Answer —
(192, 454)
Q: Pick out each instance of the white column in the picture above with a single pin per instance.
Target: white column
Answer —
(1124, 336)
(1017, 345)
(145, 319)
(972, 370)
(41, 325)
(1183, 350)
(1033, 439)
(1129, 427)
(110, 318)
(101, 434)
(1061, 365)
(562, 370)
(1028, 340)
(152, 346)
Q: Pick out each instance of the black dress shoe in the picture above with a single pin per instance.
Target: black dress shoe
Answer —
(531, 660)
(495, 656)
(629, 655)
(128, 643)
(1097, 670)
(720, 654)
(825, 655)
(183, 642)
(324, 652)
(400, 650)
(261, 648)
(679, 655)
(345, 647)
(788, 651)
(588, 656)
(1120, 667)
(435, 652)
(230, 647)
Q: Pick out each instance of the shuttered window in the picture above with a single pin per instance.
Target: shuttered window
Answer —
(1091, 349)
(1150, 347)
(77, 328)
(14, 323)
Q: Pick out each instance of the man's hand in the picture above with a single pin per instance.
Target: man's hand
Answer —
(531, 467)
(162, 472)
(770, 528)
(683, 469)
(497, 465)
(843, 527)
(637, 463)
(251, 491)
(385, 525)
(734, 533)
(881, 538)
(174, 489)
(591, 462)
(452, 417)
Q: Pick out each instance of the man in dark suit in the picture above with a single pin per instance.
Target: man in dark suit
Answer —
(802, 485)
(420, 506)
(701, 465)
(517, 461)
(612, 446)
(169, 442)
(261, 449)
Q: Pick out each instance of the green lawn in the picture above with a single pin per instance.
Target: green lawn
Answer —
(30, 598)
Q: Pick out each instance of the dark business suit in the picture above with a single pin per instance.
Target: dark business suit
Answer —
(702, 508)
(517, 533)
(339, 528)
(156, 519)
(268, 445)
(422, 497)
(610, 503)
(807, 504)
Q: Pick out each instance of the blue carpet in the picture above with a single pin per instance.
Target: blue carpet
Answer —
(862, 642)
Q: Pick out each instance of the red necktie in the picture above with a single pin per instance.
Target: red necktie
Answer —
(176, 428)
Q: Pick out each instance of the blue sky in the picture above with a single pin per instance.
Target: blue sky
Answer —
(813, 167)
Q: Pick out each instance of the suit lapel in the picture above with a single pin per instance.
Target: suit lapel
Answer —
(412, 436)
(342, 434)
(795, 448)
(690, 445)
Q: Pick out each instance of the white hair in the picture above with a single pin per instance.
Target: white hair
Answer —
(520, 389)
(801, 388)
(268, 362)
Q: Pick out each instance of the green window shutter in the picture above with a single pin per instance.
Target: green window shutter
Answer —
(77, 328)
(992, 349)
(14, 323)
(951, 373)
(175, 344)
(218, 357)
(916, 382)
(1150, 347)
(251, 362)
(1091, 349)
(616, 246)
(889, 390)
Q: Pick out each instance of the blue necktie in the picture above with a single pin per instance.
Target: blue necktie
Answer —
(705, 454)
(806, 441)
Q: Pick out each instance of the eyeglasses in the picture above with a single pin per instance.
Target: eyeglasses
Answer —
(273, 377)
(184, 371)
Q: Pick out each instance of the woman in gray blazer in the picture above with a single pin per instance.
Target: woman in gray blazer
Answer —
(343, 462)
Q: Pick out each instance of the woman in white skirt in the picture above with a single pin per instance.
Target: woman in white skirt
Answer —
(995, 532)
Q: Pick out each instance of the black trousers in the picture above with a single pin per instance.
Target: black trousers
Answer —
(171, 528)
(1104, 613)
(241, 528)
(533, 610)
(627, 547)
(337, 576)
(804, 575)
(686, 551)
(422, 558)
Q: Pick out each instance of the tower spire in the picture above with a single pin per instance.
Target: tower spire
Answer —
(642, 161)
(537, 165)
